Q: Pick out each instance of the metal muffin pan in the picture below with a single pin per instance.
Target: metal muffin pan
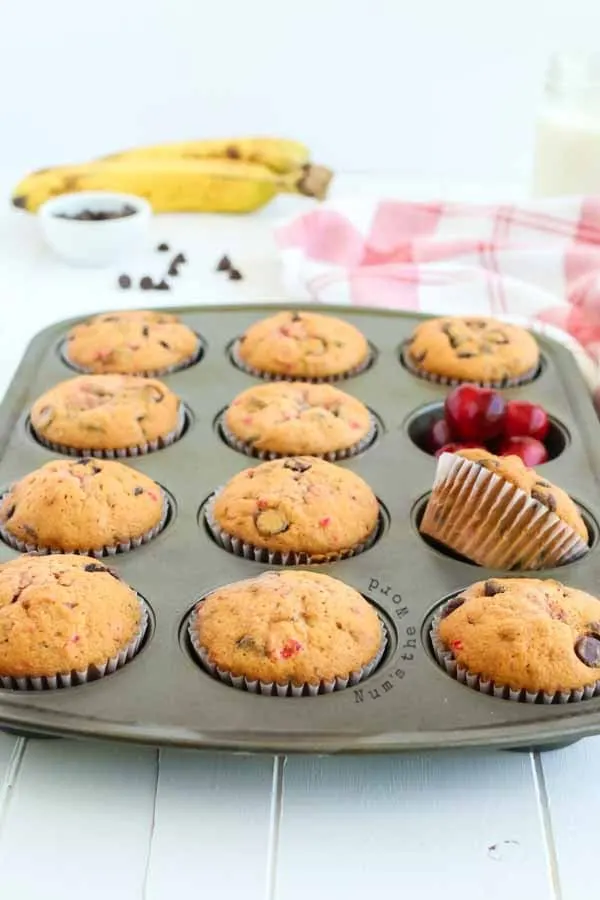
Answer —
(163, 697)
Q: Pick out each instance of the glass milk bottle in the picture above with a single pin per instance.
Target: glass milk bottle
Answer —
(567, 150)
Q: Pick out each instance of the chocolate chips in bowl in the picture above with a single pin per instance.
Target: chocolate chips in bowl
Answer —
(98, 215)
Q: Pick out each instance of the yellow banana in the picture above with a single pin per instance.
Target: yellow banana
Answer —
(176, 185)
(279, 154)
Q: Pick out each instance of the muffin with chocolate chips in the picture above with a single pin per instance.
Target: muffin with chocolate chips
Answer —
(498, 513)
(91, 506)
(297, 418)
(305, 346)
(296, 510)
(287, 633)
(522, 639)
(136, 342)
(64, 620)
(480, 350)
(107, 415)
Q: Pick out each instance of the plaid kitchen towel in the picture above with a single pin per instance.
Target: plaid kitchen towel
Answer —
(538, 263)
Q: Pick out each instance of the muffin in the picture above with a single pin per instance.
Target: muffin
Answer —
(136, 342)
(107, 415)
(302, 345)
(295, 510)
(479, 349)
(498, 513)
(522, 639)
(287, 633)
(64, 620)
(92, 506)
(297, 418)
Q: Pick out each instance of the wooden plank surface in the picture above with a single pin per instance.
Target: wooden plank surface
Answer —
(212, 826)
(79, 822)
(570, 798)
(431, 824)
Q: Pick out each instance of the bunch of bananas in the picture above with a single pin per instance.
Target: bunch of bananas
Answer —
(218, 176)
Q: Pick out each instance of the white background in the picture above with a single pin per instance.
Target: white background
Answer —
(426, 89)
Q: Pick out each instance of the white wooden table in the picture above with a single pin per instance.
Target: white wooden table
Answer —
(96, 821)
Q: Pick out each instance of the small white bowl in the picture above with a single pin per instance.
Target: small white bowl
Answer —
(97, 242)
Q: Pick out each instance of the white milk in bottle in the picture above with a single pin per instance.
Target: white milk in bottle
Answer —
(567, 148)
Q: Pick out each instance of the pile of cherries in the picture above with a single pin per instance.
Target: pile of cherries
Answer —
(481, 417)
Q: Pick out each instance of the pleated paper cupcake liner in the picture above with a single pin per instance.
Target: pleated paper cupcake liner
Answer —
(334, 456)
(148, 373)
(460, 673)
(123, 452)
(277, 557)
(82, 676)
(97, 553)
(286, 688)
(327, 379)
(526, 378)
(494, 523)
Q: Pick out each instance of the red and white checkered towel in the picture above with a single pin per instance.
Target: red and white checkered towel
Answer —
(535, 262)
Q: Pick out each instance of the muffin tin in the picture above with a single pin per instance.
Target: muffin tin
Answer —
(163, 697)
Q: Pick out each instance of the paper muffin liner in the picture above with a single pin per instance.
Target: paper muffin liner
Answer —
(334, 456)
(277, 557)
(82, 676)
(97, 553)
(494, 523)
(525, 378)
(447, 660)
(147, 373)
(285, 688)
(123, 452)
(272, 376)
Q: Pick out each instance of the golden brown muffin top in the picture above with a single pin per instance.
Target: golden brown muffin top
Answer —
(525, 633)
(297, 418)
(300, 504)
(293, 626)
(81, 504)
(62, 613)
(105, 412)
(472, 348)
(514, 470)
(303, 345)
(133, 342)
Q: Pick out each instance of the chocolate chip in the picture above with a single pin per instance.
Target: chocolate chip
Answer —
(84, 461)
(235, 275)
(94, 567)
(466, 354)
(106, 319)
(179, 259)
(146, 283)
(224, 264)
(296, 317)
(491, 588)
(587, 649)
(10, 512)
(232, 153)
(124, 281)
(297, 465)
(548, 500)
(163, 248)
(162, 286)
(165, 345)
(270, 522)
(173, 270)
(138, 490)
(453, 604)
(145, 331)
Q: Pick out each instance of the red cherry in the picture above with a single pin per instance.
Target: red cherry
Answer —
(532, 452)
(455, 446)
(475, 413)
(526, 420)
(438, 435)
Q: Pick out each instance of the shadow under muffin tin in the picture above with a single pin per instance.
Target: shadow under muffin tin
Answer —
(164, 697)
